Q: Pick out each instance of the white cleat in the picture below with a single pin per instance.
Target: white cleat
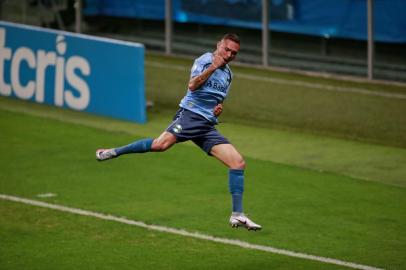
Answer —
(105, 154)
(240, 220)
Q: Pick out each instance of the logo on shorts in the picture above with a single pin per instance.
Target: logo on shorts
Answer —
(177, 128)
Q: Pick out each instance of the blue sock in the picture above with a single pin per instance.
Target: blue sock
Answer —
(236, 186)
(140, 146)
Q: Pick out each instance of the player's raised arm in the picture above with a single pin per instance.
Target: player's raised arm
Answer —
(199, 80)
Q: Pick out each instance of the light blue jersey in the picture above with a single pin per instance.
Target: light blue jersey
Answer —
(203, 100)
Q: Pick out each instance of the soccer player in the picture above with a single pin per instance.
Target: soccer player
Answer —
(196, 118)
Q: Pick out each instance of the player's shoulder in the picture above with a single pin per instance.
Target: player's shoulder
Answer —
(205, 58)
(201, 63)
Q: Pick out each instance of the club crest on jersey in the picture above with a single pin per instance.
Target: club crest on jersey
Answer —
(177, 128)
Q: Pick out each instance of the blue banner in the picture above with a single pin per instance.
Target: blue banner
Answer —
(330, 19)
(80, 72)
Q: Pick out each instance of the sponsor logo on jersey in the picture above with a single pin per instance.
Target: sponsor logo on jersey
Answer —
(217, 86)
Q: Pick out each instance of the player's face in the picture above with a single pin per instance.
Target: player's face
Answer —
(228, 49)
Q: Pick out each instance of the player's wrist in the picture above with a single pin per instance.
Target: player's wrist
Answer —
(213, 67)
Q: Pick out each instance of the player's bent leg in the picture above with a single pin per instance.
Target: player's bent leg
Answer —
(162, 143)
(229, 155)
(139, 146)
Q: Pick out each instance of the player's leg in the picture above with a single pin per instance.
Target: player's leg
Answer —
(229, 155)
(162, 143)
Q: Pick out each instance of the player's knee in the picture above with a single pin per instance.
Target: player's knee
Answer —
(159, 146)
(163, 142)
(238, 164)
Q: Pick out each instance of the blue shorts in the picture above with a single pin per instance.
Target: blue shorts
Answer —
(188, 125)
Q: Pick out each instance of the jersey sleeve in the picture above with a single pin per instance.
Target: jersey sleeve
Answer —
(199, 66)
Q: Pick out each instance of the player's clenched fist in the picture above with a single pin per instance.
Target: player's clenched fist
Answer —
(218, 61)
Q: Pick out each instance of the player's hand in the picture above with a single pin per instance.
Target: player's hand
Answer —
(218, 109)
(218, 61)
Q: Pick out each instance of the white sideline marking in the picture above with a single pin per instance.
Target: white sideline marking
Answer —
(186, 233)
(46, 195)
(318, 86)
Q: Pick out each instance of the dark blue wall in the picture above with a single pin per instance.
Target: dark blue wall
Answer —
(338, 18)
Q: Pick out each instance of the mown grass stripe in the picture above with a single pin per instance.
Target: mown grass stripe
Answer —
(304, 84)
(186, 233)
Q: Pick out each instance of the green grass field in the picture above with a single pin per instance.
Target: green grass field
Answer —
(301, 210)
(313, 191)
